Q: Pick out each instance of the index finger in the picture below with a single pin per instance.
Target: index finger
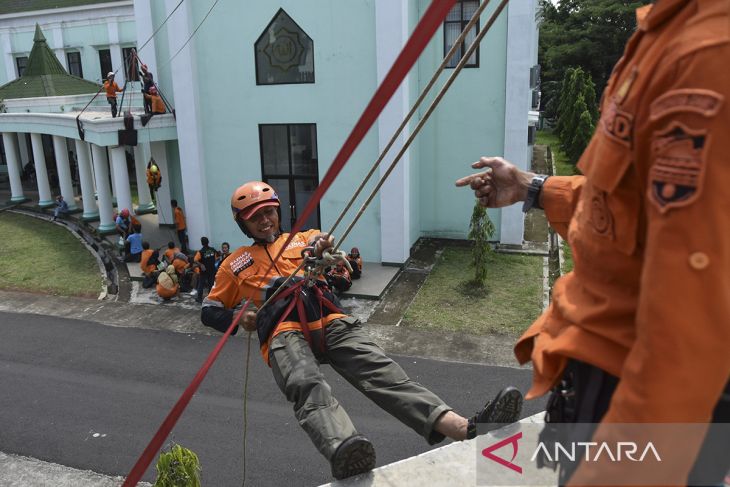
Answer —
(467, 180)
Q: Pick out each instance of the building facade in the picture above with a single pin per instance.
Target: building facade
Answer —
(270, 90)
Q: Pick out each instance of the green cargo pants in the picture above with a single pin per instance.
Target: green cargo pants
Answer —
(354, 356)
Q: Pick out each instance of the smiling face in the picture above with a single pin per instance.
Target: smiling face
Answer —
(264, 223)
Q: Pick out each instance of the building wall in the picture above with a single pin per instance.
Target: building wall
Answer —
(84, 29)
(468, 123)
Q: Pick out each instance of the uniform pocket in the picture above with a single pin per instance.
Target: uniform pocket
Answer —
(612, 197)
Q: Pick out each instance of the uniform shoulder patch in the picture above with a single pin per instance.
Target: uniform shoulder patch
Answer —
(677, 172)
(706, 103)
(241, 263)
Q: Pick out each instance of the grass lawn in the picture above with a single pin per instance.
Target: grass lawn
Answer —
(39, 256)
(512, 300)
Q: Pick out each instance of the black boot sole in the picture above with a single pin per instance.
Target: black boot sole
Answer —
(354, 456)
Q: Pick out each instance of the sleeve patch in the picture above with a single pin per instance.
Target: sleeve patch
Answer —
(703, 102)
(240, 263)
(677, 172)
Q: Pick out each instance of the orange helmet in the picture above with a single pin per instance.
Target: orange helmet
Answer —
(250, 197)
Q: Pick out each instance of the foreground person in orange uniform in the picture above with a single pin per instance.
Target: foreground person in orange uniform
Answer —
(300, 330)
(639, 332)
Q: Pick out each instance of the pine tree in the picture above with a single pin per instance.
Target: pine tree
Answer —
(481, 229)
(582, 136)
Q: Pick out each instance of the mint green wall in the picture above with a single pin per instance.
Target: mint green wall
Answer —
(232, 105)
(173, 169)
(468, 123)
(162, 51)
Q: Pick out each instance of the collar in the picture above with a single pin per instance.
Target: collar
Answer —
(657, 14)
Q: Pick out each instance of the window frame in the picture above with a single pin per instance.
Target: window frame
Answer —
(101, 64)
(291, 177)
(17, 65)
(68, 63)
(463, 22)
(256, 53)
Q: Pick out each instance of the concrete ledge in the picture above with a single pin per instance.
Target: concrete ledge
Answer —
(451, 465)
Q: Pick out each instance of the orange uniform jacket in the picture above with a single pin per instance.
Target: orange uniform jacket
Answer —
(649, 227)
(111, 89)
(147, 268)
(179, 219)
(170, 254)
(241, 276)
(158, 106)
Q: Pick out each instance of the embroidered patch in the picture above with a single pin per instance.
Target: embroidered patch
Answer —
(600, 214)
(703, 102)
(676, 175)
(617, 124)
(240, 263)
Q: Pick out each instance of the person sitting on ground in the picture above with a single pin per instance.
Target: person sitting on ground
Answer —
(123, 224)
(148, 262)
(167, 284)
(133, 245)
(111, 88)
(158, 106)
(294, 346)
(206, 258)
(223, 254)
(355, 262)
(338, 278)
(61, 208)
(171, 251)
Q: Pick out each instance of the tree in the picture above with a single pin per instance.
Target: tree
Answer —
(582, 133)
(481, 230)
(586, 33)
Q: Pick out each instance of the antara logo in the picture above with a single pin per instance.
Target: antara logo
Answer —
(589, 451)
(512, 440)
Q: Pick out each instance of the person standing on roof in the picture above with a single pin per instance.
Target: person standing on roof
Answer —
(295, 344)
(111, 88)
(147, 83)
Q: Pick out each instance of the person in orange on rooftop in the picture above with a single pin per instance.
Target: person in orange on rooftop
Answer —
(111, 88)
(155, 100)
(180, 226)
(303, 328)
(639, 332)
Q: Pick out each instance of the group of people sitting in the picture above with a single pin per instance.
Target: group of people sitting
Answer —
(339, 277)
(174, 271)
(130, 235)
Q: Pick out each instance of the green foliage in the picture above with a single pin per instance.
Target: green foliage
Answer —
(586, 33)
(178, 467)
(481, 229)
(582, 136)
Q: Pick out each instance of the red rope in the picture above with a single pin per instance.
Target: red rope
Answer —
(424, 31)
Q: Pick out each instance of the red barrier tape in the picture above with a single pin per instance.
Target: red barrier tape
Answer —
(424, 31)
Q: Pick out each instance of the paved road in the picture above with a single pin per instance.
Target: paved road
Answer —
(90, 396)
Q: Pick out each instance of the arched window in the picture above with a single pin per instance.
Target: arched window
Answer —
(284, 53)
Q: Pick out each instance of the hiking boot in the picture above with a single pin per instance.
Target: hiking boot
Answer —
(504, 409)
(354, 456)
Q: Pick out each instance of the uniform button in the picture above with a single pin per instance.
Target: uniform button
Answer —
(699, 260)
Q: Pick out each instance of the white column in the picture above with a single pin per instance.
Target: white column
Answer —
(119, 168)
(64, 171)
(101, 175)
(41, 175)
(143, 22)
(185, 87)
(143, 190)
(391, 25)
(8, 58)
(116, 52)
(164, 210)
(91, 211)
(23, 150)
(520, 26)
(114, 182)
(10, 142)
(57, 34)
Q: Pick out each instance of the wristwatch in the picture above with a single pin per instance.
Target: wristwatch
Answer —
(533, 193)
